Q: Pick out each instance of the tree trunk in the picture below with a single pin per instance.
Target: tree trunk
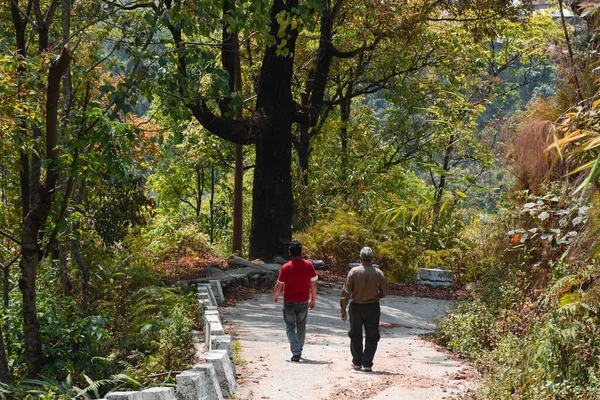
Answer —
(238, 201)
(41, 200)
(303, 150)
(75, 247)
(63, 268)
(441, 186)
(27, 282)
(5, 375)
(272, 201)
(212, 204)
(199, 189)
(345, 108)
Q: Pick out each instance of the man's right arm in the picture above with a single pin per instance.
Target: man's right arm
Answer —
(276, 290)
(346, 295)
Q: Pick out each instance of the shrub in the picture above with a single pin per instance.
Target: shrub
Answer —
(469, 330)
(398, 259)
(169, 239)
(338, 240)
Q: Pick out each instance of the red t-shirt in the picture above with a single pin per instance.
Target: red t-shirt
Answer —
(296, 276)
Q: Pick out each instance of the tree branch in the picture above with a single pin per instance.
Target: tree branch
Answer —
(131, 6)
(11, 262)
(9, 236)
(180, 196)
(230, 129)
(353, 53)
(57, 70)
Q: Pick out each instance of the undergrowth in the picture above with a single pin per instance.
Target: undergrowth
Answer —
(532, 326)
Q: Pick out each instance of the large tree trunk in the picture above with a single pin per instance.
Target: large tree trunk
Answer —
(272, 200)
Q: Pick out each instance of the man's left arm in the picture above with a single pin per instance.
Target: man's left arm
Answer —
(313, 293)
(384, 288)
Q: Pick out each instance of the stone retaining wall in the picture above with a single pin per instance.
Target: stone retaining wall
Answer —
(214, 379)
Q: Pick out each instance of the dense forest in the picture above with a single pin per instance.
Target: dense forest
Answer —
(142, 140)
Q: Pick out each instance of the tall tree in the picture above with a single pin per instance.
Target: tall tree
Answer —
(270, 31)
(37, 195)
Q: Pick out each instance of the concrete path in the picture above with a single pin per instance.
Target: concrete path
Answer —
(405, 366)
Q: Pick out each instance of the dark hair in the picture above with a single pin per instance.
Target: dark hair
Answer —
(295, 248)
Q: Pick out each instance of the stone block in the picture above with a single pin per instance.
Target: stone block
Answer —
(434, 277)
(212, 327)
(221, 342)
(275, 268)
(224, 368)
(124, 396)
(199, 383)
(205, 289)
(217, 290)
(203, 304)
(319, 264)
(211, 311)
(159, 393)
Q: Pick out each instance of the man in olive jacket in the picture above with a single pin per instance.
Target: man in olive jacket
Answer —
(364, 287)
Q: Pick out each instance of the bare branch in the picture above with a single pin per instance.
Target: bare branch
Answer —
(353, 53)
(131, 6)
(4, 267)
(11, 237)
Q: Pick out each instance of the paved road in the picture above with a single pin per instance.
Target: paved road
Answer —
(405, 366)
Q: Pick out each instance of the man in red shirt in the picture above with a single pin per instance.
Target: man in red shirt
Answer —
(298, 279)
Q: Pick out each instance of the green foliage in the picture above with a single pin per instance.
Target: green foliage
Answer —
(399, 258)
(533, 327)
(160, 331)
(121, 207)
(175, 341)
(469, 329)
(338, 241)
(169, 238)
(557, 360)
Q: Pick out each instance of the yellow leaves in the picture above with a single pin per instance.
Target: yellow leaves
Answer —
(461, 194)
(592, 144)
(568, 138)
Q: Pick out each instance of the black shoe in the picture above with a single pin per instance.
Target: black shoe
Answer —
(367, 369)
(296, 357)
(356, 367)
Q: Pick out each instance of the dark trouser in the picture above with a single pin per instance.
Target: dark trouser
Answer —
(294, 315)
(366, 315)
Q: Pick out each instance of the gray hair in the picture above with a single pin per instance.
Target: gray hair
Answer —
(366, 254)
